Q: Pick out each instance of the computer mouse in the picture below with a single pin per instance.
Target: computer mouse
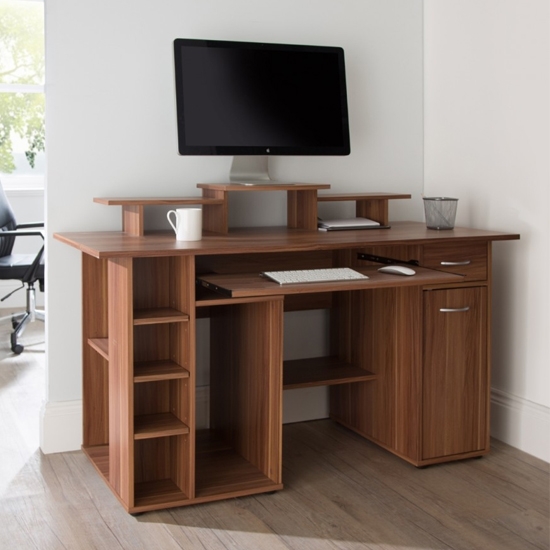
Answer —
(397, 270)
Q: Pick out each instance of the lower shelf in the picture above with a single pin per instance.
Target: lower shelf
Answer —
(321, 371)
(222, 471)
(150, 495)
(158, 494)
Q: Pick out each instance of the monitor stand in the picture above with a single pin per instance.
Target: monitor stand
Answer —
(251, 170)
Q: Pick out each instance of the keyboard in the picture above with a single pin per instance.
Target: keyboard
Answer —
(314, 275)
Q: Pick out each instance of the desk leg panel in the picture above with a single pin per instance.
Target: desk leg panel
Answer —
(95, 383)
(121, 410)
(246, 382)
(385, 338)
(215, 216)
(302, 209)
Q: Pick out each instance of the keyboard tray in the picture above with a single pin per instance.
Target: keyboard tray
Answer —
(240, 285)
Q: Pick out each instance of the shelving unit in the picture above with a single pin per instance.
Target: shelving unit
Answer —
(143, 444)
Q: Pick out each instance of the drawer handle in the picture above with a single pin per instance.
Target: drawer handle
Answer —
(464, 262)
(454, 310)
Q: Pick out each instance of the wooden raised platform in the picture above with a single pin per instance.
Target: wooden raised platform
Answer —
(302, 199)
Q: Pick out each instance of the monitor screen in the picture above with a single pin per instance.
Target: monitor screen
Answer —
(244, 98)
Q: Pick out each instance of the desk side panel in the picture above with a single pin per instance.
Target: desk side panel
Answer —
(246, 381)
(383, 336)
(95, 368)
(121, 383)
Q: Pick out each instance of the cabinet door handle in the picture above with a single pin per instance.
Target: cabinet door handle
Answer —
(453, 310)
(464, 262)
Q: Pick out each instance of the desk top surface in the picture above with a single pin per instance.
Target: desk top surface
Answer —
(112, 244)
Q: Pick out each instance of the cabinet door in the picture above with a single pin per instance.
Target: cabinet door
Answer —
(455, 376)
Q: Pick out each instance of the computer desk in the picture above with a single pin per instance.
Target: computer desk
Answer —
(409, 366)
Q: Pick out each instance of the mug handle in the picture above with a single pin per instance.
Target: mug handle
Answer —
(171, 223)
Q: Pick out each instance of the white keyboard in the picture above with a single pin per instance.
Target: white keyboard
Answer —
(314, 275)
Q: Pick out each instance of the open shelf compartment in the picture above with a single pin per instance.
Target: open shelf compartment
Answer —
(240, 451)
(221, 470)
(163, 382)
(161, 472)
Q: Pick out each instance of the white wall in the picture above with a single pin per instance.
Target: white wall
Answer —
(111, 128)
(487, 106)
(111, 132)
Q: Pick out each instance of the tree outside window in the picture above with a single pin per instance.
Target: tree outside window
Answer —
(22, 102)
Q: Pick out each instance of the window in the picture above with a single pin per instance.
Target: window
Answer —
(22, 105)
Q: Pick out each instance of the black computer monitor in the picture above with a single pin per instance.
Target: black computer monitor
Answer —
(255, 99)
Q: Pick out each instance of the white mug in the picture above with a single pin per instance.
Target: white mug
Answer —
(188, 226)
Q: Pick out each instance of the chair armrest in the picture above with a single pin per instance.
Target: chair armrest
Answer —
(29, 224)
(16, 233)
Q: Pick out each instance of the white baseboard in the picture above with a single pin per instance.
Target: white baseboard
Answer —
(61, 426)
(521, 423)
(514, 420)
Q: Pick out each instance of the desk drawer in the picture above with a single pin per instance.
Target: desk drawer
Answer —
(466, 258)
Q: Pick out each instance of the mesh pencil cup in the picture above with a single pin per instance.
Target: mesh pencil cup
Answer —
(440, 212)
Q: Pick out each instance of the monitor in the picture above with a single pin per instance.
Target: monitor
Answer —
(254, 100)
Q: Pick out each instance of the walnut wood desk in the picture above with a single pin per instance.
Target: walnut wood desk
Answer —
(409, 367)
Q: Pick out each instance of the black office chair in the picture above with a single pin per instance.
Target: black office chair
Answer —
(26, 268)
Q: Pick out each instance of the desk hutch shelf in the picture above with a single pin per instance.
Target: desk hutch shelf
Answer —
(302, 202)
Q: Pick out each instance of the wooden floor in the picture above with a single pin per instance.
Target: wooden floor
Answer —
(340, 493)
